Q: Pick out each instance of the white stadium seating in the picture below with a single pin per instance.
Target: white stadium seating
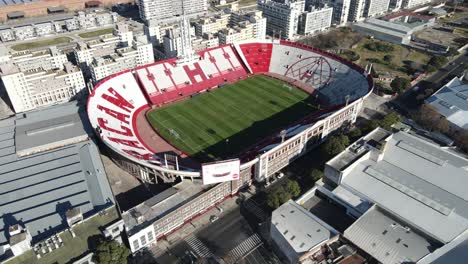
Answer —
(116, 101)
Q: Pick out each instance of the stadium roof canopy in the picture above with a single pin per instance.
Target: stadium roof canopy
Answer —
(301, 229)
(60, 169)
(388, 240)
(451, 101)
(400, 169)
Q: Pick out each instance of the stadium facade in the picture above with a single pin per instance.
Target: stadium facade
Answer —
(117, 107)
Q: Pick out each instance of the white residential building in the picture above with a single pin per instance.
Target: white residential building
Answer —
(165, 10)
(315, 20)
(212, 24)
(124, 58)
(282, 18)
(48, 59)
(90, 20)
(255, 18)
(31, 89)
(356, 10)
(413, 3)
(340, 11)
(124, 33)
(376, 7)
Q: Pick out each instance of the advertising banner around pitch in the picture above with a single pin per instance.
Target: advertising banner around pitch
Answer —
(222, 171)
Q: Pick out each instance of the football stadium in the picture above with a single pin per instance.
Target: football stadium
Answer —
(215, 122)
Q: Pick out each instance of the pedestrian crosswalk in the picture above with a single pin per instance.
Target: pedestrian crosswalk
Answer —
(253, 208)
(198, 247)
(244, 248)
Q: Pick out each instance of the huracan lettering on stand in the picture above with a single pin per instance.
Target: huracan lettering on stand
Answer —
(113, 97)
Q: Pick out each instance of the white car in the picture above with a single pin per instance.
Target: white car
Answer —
(214, 218)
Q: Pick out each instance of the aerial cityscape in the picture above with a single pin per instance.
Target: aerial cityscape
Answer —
(233, 131)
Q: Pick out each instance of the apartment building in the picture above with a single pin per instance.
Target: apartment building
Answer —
(315, 20)
(212, 24)
(123, 58)
(340, 11)
(166, 10)
(413, 3)
(376, 7)
(47, 59)
(282, 18)
(112, 53)
(39, 87)
(88, 20)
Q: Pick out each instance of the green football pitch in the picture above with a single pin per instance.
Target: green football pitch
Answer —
(225, 121)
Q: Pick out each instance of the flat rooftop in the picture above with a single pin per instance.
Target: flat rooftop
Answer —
(405, 170)
(161, 204)
(300, 228)
(50, 128)
(37, 190)
(451, 101)
(388, 240)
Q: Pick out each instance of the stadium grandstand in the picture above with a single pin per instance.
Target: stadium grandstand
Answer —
(120, 106)
(117, 104)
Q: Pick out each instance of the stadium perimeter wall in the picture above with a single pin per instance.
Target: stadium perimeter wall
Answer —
(117, 98)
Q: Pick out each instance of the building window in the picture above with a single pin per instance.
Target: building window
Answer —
(143, 240)
(150, 236)
(136, 245)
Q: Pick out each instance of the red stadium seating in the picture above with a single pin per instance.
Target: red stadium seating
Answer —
(258, 56)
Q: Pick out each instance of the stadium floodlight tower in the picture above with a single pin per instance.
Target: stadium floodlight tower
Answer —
(186, 55)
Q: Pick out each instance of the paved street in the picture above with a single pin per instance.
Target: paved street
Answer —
(407, 101)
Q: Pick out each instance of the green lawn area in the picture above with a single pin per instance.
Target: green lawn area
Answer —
(242, 113)
(96, 33)
(400, 55)
(454, 17)
(73, 246)
(42, 43)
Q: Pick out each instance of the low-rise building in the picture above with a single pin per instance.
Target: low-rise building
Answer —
(397, 28)
(295, 231)
(52, 167)
(383, 171)
(451, 101)
(54, 24)
(164, 213)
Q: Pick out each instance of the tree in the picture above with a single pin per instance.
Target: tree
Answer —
(110, 252)
(335, 145)
(355, 133)
(293, 188)
(316, 174)
(437, 61)
(430, 119)
(389, 120)
(273, 200)
(277, 197)
(461, 139)
(399, 84)
(430, 68)
(369, 126)
(379, 46)
(388, 58)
